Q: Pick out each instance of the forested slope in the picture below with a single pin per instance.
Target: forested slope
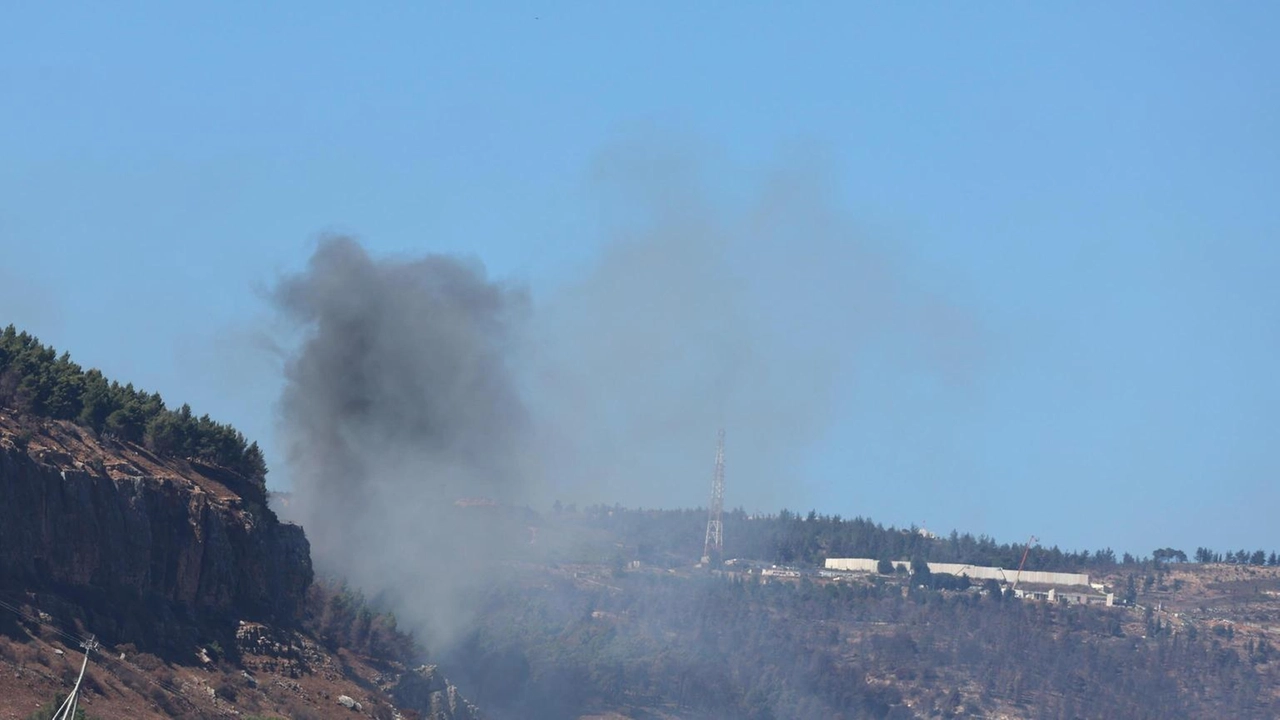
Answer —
(589, 632)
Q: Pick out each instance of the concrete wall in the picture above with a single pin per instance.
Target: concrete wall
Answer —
(851, 564)
(975, 572)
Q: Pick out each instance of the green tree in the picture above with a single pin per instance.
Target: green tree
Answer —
(96, 401)
(65, 387)
(36, 381)
(920, 573)
(992, 589)
(254, 464)
(165, 434)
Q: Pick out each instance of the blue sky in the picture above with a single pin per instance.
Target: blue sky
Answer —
(1093, 189)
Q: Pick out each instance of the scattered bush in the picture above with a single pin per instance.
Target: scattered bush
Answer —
(342, 618)
(46, 712)
(225, 688)
(147, 662)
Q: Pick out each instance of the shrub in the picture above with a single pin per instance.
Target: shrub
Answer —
(46, 712)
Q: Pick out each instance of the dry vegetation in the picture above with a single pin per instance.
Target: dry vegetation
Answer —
(276, 674)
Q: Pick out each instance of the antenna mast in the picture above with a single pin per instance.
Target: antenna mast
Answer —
(714, 544)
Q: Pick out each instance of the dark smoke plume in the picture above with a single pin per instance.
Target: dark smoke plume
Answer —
(399, 401)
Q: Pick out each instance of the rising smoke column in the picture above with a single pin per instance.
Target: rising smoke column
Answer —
(399, 399)
(414, 382)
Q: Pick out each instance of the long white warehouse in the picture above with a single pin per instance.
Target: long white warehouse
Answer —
(973, 572)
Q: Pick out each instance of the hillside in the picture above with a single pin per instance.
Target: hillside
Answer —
(602, 626)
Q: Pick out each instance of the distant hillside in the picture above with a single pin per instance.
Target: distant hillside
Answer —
(614, 621)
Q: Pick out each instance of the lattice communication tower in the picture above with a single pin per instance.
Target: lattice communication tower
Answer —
(713, 547)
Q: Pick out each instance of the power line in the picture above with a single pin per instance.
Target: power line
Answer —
(106, 661)
(35, 619)
(67, 711)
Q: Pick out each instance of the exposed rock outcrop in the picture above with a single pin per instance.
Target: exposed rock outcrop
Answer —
(181, 558)
(109, 518)
(428, 692)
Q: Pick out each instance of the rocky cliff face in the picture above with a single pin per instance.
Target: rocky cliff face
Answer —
(430, 693)
(384, 689)
(175, 557)
(110, 519)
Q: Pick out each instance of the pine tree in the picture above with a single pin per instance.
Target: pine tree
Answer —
(36, 381)
(255, 465)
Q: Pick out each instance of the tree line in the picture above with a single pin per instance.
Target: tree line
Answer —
(674, 536)
(36, 381)
(792, 538)
(1239, 557)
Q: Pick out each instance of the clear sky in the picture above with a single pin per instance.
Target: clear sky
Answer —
(1093, 188)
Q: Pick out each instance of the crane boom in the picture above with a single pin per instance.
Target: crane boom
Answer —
(1025, 551)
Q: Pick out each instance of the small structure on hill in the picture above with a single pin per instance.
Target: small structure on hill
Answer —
(1071, 596)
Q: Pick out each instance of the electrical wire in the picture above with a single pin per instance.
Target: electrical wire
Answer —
(108, 659)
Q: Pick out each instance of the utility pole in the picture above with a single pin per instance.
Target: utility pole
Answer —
(67, 710)
(713, 546)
